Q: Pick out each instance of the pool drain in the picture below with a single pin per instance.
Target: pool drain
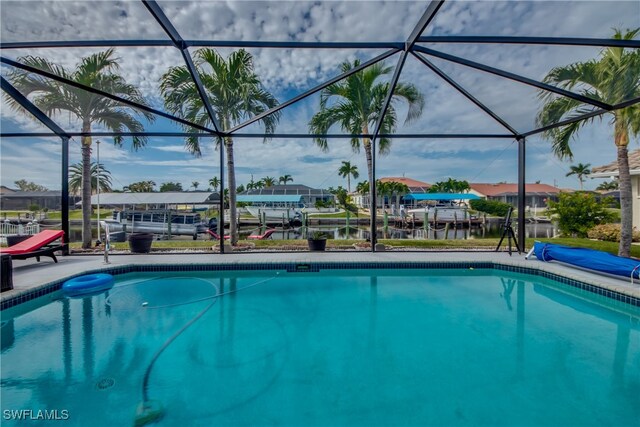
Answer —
(105, 383)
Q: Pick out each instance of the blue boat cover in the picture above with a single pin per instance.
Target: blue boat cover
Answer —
(588, 258)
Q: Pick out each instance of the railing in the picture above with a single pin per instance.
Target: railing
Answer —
(8, 229)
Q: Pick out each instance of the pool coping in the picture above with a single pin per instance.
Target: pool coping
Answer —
(614, 289)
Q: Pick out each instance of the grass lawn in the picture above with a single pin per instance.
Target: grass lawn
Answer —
(610, 247)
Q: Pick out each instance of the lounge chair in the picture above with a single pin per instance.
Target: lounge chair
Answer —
(267, 234)
(36, 246)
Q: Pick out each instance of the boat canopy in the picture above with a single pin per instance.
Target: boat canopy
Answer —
(269, 198)
(157, 198)
(440, 196)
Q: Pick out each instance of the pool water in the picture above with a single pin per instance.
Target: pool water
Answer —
(352, 348)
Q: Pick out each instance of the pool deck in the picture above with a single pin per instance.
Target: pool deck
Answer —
(29, 275)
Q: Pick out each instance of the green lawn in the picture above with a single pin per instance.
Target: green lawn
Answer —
(396, 243)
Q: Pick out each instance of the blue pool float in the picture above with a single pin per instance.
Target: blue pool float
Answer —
(88, 284)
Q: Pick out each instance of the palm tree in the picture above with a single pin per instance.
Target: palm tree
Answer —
(347, 170)
(75, 178)
(195, 185)
(98, 71)
(580, 171)
(285, 178)
(450, 186)
(608, 186)
(613, 77)
(235, 92)
(357, 107)
(269, 181)
(140, 187)
(398, 189)
(362, 188)
(215, 183)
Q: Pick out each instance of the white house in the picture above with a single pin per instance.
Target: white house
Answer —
(611, 171)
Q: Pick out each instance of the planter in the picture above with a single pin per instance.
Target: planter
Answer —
(140, 243)
(317, 245)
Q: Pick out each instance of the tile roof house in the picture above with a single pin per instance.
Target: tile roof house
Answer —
(537, 195)
(610, 170)
(414, 185)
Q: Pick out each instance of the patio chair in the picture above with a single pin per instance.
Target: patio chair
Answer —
(267, 235)
(37, 246)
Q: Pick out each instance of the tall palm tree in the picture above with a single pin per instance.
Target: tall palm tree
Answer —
(195, 185)
(98, 71)
(613, 77)
(75, 178)
(285, 178)
(355, 103)
(269, 181)
(347, 170)
(215, 183)
(580, 171)
(236, 94)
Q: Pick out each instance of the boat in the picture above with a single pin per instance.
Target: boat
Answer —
(440, 212)
(275, 213)
(442, 206)
(165, 222)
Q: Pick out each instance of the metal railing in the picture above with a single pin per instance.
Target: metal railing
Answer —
(9, 229)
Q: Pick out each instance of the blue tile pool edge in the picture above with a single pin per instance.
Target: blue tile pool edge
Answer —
(298, 267)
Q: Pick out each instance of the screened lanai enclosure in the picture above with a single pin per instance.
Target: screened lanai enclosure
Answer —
(275, 89)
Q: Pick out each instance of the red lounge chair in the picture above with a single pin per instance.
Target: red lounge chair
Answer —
(216, 236)
(36, 246)
(267, 235)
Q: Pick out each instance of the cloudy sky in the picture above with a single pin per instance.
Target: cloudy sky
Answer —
(286, 72)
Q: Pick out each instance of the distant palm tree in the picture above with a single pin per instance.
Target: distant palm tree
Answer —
(215, 183)
(98, 71)
(75, 178)
(614, 77)
(269, 181)
(140, 187)
(357, 107)
(608, 185)
(398, 189)
(347, 170)
(580, 171)
(235, 92)
(450, 186)
(285, 178)
(362, 188)
(195, 184)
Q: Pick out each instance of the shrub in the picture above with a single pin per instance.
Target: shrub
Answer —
(579, 212)
(492, 207)
(610, 233)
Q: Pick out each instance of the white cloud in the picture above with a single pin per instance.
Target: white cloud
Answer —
(286, 72)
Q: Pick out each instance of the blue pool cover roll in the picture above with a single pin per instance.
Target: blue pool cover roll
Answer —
(589, 259)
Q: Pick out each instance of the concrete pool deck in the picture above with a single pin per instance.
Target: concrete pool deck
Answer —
(29, 275)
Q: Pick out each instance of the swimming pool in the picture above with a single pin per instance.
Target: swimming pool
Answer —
(455, 347)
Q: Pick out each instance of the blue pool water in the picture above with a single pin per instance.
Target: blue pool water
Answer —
(351, 348)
